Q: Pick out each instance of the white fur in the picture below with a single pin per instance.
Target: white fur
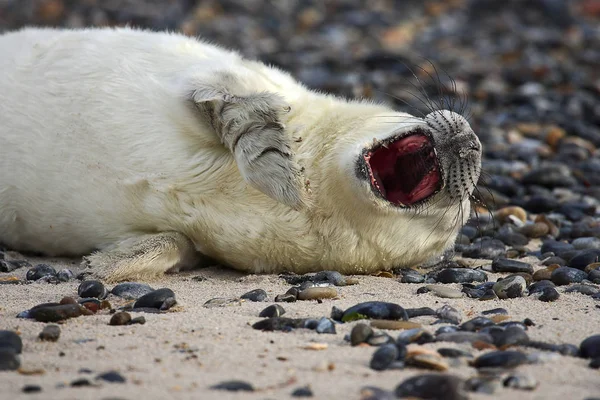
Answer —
(98, 145)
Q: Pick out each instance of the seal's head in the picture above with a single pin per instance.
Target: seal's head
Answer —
(422, 162)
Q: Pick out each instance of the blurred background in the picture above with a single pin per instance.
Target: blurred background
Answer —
(525, 72)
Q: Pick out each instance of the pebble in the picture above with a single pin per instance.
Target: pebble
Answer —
(57, 313)
(564, 349)
(535, 230)
(520, 381)
(112, 377)
(475, 324)
(510, 287)
(549, 294)
(586, 243)
(411, 276)
(93, 289)
(539, 286)
(374, 310)
(162, 299)
(445, 292)
(512, 266)
(333, 277)
(256, 295)
(384, 357)
(10, 340)
(375, 393)
(508, 336)
(590, 347)
(567, 275)
(416, 335)
(544, 274)
(120, 318)
(279, 324)
(9, 359)
(31, 389)
(82, 382)
(594, 276)
(419, 312)
(40, 271)
(432, 386)
(460, 275)
(131, 290)
(304, 391)
(453, 353)
(489, 249)
(502, 311)
(464, 337)
(65, 275)
(325, 325)
(500, 359)
(317, 293)
(11, 265)
(449, 314)
(274, 310)
(234, 386)
(360, 334)
(222, 302)
(286, 298)
(483, 384)
(50, 333)
(379, 338)
(588, 290)
(583, 259)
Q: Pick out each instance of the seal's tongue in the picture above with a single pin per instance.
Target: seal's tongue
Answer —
(405, 171)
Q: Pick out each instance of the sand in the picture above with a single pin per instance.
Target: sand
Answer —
(179, 354)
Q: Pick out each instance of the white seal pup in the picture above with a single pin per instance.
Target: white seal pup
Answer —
(145, 150)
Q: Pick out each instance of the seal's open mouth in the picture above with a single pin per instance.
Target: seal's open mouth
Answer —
(405, 170)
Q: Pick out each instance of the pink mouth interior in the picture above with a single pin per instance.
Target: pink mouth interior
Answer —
(405, 171)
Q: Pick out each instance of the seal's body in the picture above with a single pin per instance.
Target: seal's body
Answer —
(149, 149)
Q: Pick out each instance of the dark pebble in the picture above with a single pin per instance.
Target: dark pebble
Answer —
(594, 276)
(475, 324)
(360, 334)
(460, 275)
(486, 248)
(464, 337)
(65, 275)
(558, 248)
(512, 266)
(583, 259)
(588, 290)
(40, 271)
(325, 325)
(50, 333)
(11, 265)
(304, 391)
(57, 313)
(567, 275)
(286, 298)
(510, 287)
(234, 386)
(415, 335)
(453, 353)
(31, 389)
(383, 357)
(120, 318)
(279, 324)
(274, 310)
(10, 340)
(112, 377)
(411, 276)
(131, 290)
(432, 386)
(501, 359)
(95, 289)
(333, 277)
(510, 336)
(9, 359)
(81, 382)
(379, 338)
(163, 299)
(520, 381)
(255, 295)
(501, 311)
(337, 313)
(549, 294)
(590, 347)
(482, 384)
(539, 286)
(419, 312)
(375, 310)
(449, 314)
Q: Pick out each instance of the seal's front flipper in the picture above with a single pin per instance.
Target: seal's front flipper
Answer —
(250, 127)
(143, 257)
